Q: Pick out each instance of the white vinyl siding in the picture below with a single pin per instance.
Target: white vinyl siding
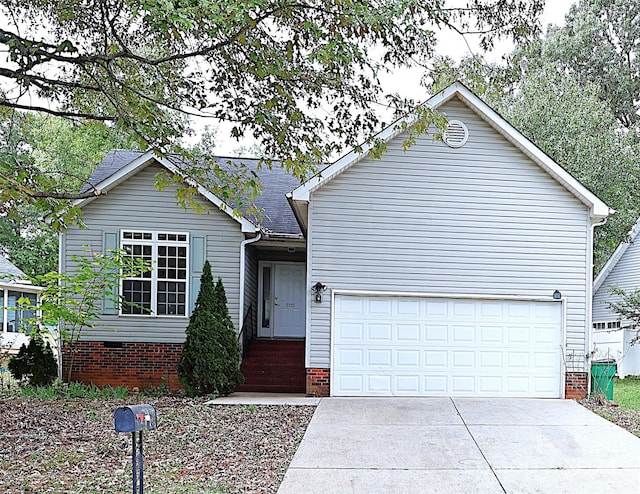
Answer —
(480, 219)
(136, 205)
(625, 275)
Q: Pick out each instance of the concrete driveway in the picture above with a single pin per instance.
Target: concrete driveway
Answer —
(443, 445)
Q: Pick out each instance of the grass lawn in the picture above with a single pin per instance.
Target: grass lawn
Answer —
(626, 392)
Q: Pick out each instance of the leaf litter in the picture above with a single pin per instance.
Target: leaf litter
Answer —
(70, 446)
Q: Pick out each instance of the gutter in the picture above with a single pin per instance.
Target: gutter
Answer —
(589, 302)
(243, 246)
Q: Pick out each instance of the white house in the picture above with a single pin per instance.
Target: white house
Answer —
(460, 267)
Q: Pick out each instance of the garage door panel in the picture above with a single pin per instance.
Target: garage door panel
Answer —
(380, 359)
(436, 333)
(436, 358)
(408, 358)
(451, 348)
(408, 333)
(380, 332)
(349, 331)
(349, 357)
(491, 335)
(491, 360)
(409, 309)
(464, 334)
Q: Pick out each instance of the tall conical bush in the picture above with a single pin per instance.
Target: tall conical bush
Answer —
(210, 358)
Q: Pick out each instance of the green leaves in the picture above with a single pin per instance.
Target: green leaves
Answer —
(271, 68)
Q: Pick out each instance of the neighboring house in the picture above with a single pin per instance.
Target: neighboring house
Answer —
(14, 321)
(610, 338)
(456, 268)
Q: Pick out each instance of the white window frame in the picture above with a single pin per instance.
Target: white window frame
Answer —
(155, 243)
(604, 326)
(4, 299)
(262, 330)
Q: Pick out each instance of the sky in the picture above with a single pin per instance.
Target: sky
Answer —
(407, 82)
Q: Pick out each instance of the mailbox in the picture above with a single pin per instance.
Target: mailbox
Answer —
(135, 418)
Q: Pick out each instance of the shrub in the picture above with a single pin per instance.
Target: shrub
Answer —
(34, 363)
(210, 358)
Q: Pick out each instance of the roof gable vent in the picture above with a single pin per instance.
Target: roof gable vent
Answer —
(456, 134)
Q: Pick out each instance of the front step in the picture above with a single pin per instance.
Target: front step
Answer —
(275, 366)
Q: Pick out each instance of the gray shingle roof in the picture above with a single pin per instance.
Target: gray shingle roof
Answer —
(9, 272)
(276, 183)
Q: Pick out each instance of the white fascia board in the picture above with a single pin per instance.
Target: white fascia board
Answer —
(348, 160)
(615, 257)
(598, 209)
(20, 285)
(247, 226)
(144, 159)
(113, 180)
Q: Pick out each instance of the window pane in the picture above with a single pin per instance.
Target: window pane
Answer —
(266, 296)
(137, 297)
(169, 302)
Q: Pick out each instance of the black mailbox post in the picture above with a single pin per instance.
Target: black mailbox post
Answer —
(136, 419)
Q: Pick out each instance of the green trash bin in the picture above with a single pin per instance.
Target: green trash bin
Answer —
(602, 372)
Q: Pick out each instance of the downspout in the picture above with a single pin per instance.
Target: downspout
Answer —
(243, 246)
(589, 303)
(61, 266)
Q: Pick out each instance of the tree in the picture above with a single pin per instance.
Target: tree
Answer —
(34, 363)
(600, 45)
(73, 300)
(58, 150)
(301, 78)
(210, 358)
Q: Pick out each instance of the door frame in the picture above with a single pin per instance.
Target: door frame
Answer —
(268, 332)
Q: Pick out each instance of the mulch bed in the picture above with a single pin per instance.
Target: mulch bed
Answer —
(627, 419)
(71, 446)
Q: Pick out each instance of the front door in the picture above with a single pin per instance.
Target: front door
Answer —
(289, 300)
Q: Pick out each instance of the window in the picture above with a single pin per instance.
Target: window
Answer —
(14, 319)
(606, 325)
(161, 291)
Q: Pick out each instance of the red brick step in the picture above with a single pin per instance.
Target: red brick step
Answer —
(274, 366)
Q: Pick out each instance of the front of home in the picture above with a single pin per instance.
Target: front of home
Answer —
(455, 268)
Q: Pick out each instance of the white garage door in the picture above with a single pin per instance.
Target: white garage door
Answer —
(410, 346)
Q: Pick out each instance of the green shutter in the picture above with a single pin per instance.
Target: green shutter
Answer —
(198, 256)
(110, 243)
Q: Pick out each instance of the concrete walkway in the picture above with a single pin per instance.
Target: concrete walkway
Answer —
(247, 398)
(442, 445)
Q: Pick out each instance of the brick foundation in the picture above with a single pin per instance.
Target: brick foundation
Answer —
(575, 385)
(318, 382)
(142, 365)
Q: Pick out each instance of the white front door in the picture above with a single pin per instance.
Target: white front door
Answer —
(282, 300)
(289, 300)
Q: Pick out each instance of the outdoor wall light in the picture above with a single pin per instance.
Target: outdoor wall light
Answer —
(317, 290)
(557, 295)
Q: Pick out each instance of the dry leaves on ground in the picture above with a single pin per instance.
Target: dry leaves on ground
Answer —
(70, 446)
(627, 419)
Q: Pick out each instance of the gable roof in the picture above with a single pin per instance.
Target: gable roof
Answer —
(615, 257)
(9, 272)
(120, 164)
(598, 209)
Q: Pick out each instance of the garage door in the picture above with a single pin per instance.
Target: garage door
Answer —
(411, 346)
